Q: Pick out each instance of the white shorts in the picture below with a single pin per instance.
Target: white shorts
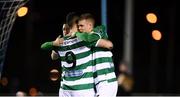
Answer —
(77, 93)
(107, 89)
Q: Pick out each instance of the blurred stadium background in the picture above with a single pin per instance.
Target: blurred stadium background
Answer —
(144, 33)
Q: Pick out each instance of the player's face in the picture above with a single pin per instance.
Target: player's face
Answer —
(65, 29)
(84, 26)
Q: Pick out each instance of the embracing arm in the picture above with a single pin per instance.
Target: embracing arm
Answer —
(94, 37)
(47, 46)
(51, 45)
(104, 43)
(88, 37)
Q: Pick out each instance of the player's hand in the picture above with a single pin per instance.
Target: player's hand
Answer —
(105, 44)
(58, 41)
(54, 55)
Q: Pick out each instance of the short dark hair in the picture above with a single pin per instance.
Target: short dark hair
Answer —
(87, 16)
(71, 19)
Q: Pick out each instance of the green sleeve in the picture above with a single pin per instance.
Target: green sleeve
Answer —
(47, 46)
(101, 30)
(88, 37)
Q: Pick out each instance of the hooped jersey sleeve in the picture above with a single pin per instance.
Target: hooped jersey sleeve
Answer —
(101, 30)
(47, 46)
(96, 34)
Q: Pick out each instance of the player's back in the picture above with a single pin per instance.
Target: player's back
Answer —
(76, 60)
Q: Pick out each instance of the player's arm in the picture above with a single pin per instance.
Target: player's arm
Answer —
(47, 46)
(104, 43)
(51, 45)
(94, 37)
(88, 37)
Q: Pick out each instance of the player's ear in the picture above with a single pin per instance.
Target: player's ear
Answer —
(90, 25)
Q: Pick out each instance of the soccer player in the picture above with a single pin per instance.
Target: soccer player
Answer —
(104, 75)
(77, 76)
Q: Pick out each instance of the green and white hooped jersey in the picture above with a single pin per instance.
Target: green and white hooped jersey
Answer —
(76, 61)
(104, 67)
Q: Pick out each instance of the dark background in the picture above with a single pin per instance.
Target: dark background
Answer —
(155, 63)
